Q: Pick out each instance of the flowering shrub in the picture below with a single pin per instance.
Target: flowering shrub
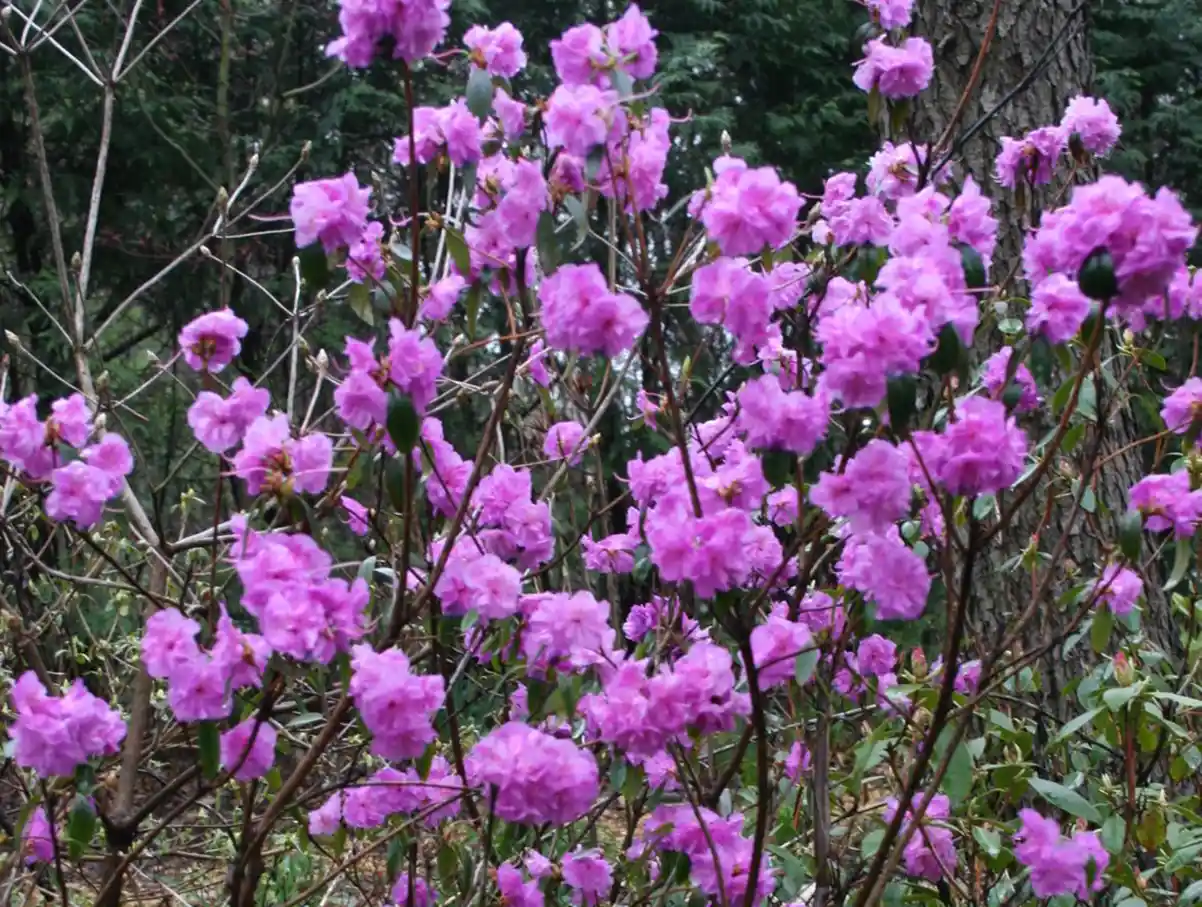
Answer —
(755, 674)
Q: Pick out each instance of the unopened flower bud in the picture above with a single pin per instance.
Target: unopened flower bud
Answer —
(726, 142)
(305, 149)
(1124, 670)
(918, 662)
(323, 360)
(76, 263)
(13, 339)
(223, 198)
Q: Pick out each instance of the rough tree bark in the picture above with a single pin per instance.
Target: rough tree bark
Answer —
(1043, 46)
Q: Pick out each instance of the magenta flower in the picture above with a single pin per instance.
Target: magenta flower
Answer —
(511, 114)
(896, 72)
(499, 50)
(579, 55)
(797, 762)
(891, 14)
(564, 441)
(220, 424)
(994, 379)
(861, 221)
(537, 778)
(876, 656)
(1092, 122)
(580, 314)
(412, 27)
(1119, 588)
(169, 642)
(271, 458)
(566, 631)
(970, 221)
(1059, 865)
(588, 874)
(414, 364)
(931, 852)
(211, 341)
(249, 746)
(631, 40)
(54, 735)
(581, 117)
(612, 554)
(365, 258)
(37, 842)
(516, 892)
(327, 818)
(1058, 308)
(772, 418)
(331, 211)
(887, 573)
(748, 209)
(441, 297)
(1167, 502)
(423, 894)
(982, 452)
(1031, 159)
(775, 645)
(1183, 407)
(873, 491)
(396, 705)
(80, 488)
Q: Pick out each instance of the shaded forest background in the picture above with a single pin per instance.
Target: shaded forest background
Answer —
(237, 78)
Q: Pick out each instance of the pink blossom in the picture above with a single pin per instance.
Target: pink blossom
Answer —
(579, 54)
(365, 258)
(567, 631)
(53, 735)
(982, 452)
(210, 342)
(772, 418)
(1059, 865)
(511, 114)
(37, 841)
(580, 314)
(631, 40)
(891, 14)
(331, 211)
(169, 642)
(748, 209)
(1058, 308)
(441, 297)
(414, 364)
(896, 72)
(588, 874)
(797, 762)
(1183, 407)
(612, 554)
(887, 573)
(220, 424)
(271, 458)
(876, 655)
(565, 441)
(327, 818)
(249, 745)
(1119, 588)
(1031, 159)
(423, 894)
(775, 645)
(969, 220)
(397, 706)
(1167, 502)
(861, 221)
(538, 778)
(1092, 122)
(412, 27)
(579, 118)
(499, 50)
(994, 378)
(872, 492)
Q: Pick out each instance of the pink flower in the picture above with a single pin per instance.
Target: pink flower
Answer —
(982, 452)
(612, 554)
(499, 50)
(249, 746)
(931, 851)
(538, 778)
(515, 892)
(1119, 588)
(872, 492)
(887, 573)
(331, 211)
(588, 875)
(365, 259)
(580, 117)
(396, 705)
(1092, 122)
(772, 418)
(441, 297)
(580, 314)
(579, 54)
(861, 221)
(632, 40)
(1183, 407)
(797, 762)
(564, 442)
(169, 643)
(1030, 160)
(210, 342)
(775, 645)
(896, 72)
(423, 894)
(748, 209)
(414, 364)
(198, 690)
(1058, 308)
(994, 379)
(970, 221)
(511, 113)
(1059, 865)
(271, 458)
(54, 735)
(220, 424)
(876, 655)
(891, 14)
(242, 656)
(356, 515)
(412, 27)
(37, 841)
(69, 421)
(1167, 502)
(327, 818)
(453, 128)
(566, 631)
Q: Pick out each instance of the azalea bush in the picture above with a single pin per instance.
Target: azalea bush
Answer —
(427, 636)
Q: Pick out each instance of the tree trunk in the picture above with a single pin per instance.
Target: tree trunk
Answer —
(1042, 45)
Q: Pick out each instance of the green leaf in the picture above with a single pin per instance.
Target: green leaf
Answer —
(359, 299)
(479, 93)
(1099, 632)
(579, 211)
(1012, 395)
(80, 826)
(1068, 800)
(990, 840)
(394, 483)
(1117, 697)
(367, 568)
(208, 741)
(448, 863)
(548, 243)
(459, 252)
(1010, 326)
(622, 83)
(779, 467)
(1131, 535)
(871, 842)
(902, 399)
(1192, 893)
(974, 270)
(804, 666)
(314, 267)
(1077, 724)
(1096, 277)
(1181, 559)
(957, 782)
(949, 355)
(404, 424)
(1114, 831)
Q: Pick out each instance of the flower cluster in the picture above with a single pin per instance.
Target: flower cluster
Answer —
(1060, 865)
(397, 706)
(53, 735)
(931, 852)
